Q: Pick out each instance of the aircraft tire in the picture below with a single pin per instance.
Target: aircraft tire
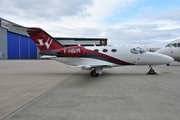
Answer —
(94, 74)
(151, 71)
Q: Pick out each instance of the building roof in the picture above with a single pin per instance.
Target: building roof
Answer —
(79, 39)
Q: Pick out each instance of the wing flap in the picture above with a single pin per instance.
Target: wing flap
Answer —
(89, 67)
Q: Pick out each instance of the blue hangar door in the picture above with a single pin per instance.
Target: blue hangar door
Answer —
(21, 47)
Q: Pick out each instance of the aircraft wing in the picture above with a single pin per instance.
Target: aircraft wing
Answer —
(47, 57)
(87, 67)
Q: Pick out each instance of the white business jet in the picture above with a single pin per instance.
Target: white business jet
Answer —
(151, 48)
(172, 49)
(94, 58)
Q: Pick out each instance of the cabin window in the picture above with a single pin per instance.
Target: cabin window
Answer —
(105, 50)
(96, 50)
(134, 51)
(178, 44)
(113, 50)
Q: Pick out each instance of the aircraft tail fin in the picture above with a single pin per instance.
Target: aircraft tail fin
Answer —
(41, 38)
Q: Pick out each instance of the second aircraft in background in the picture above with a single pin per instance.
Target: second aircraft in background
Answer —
(172, 49)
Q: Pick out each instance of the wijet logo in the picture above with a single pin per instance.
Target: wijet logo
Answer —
(47, 43)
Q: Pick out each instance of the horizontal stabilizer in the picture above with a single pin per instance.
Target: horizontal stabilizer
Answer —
(24, 28)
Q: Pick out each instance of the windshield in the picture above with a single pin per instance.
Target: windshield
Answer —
(137, 50)
(168, 45)
(134, 51)
(141, 50)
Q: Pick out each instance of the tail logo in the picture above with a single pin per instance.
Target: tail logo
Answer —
(47, 43)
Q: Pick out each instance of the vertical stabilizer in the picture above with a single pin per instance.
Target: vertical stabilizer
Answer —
(43, 40)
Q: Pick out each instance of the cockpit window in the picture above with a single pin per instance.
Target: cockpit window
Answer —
(141, 50)
(168, 45)
(174, 45)
(137, 50)
(134, 51)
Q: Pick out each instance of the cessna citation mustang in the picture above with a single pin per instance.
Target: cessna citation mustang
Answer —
(94, 58)
(172, 49)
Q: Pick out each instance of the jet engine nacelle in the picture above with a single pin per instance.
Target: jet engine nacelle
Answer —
(73, 51)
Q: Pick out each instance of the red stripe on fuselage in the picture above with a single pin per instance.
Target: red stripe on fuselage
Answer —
(101, 56)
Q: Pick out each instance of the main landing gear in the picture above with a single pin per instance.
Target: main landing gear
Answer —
(96, 71)
(151, 71)
(93, 73)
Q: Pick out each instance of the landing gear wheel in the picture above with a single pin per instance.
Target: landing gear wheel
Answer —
(151, 71)
(94, 74)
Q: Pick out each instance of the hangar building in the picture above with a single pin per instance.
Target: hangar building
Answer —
(16, 44)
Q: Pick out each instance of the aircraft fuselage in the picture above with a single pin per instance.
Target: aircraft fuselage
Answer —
(108, 55)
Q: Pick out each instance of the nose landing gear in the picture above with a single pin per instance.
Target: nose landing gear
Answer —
(151, 71)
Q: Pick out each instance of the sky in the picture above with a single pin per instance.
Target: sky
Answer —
(123, 22)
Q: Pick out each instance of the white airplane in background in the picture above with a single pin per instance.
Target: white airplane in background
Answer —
(151, 48)
(171, 49)
(94, 58)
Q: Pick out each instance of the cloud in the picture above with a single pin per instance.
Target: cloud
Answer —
(94, 18)
(173, 15)
(141, 33)
(44, 9)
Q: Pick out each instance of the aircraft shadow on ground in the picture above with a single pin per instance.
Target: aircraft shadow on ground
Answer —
(87, 73)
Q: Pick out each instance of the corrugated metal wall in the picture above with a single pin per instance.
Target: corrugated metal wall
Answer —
(20, 47)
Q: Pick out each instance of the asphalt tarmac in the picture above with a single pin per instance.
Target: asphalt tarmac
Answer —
(49, 90)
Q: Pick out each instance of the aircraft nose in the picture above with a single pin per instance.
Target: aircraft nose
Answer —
(162, 51)
(166, 59)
